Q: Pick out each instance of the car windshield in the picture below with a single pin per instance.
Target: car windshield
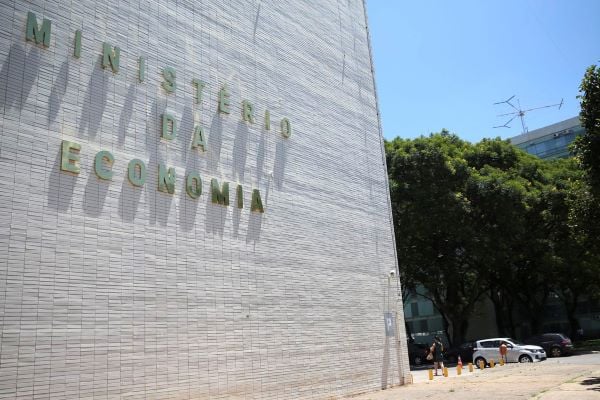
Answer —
(516, 342)
(560, 336)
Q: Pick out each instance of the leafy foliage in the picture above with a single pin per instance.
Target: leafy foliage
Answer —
(587, 146)
(489, 219)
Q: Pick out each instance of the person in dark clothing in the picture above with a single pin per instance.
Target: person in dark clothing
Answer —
(437, 349)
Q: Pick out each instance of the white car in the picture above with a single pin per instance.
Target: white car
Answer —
(489, 349)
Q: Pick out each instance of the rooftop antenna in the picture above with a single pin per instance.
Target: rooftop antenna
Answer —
(519, 112)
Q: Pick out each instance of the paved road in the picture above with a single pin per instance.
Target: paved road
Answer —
(580, 359)
(567, 378)
(589, 358)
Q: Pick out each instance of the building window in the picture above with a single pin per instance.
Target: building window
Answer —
(426, 308)
(414, 308)
(436, 325)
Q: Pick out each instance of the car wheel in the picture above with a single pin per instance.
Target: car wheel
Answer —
(417, 360)
(525, 359)
(478, 360)
(555, 352)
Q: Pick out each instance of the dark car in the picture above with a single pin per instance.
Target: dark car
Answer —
(465, 351)
(555, 344)
(417, 353)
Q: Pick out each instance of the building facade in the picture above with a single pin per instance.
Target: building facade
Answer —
(551, 141)
(194, 203)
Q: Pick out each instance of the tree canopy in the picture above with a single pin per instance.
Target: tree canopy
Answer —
(488, 219)
(587, 146)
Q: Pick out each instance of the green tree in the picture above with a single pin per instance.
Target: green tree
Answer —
(435, 244)
(587, 146)
(490, 219)
(576, 272)
(507, 189)
(585, 210)
(499, 197)
(584, 204)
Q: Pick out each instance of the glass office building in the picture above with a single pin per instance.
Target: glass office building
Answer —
(551, 141)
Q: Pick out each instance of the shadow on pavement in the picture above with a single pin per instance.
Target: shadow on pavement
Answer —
(425, 367)
(592, 381)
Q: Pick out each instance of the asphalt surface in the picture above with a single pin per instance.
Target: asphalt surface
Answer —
(575, 377)
(579, 359)
(585, 358)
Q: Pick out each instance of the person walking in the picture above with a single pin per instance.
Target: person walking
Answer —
(437, 349)
(503, 350)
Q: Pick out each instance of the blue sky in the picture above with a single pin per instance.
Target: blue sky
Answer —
(441, 64)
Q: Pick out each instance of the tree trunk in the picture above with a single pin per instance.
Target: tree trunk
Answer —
(511, 318)
(570, 308)
(459, 330)
(503, 308)
(534, 309)
(499, 312)
(447, 328)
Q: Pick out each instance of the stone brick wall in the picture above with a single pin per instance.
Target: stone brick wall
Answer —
(108, 290)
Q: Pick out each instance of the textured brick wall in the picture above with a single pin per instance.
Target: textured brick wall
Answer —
(109, 290)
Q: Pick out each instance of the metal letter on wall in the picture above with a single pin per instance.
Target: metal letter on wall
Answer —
(141, 69)
(169, 127)
(219, 196)
(256, 205)
(247, 111)
(134, 178)
(99, 166)
(199, 86)
(199, 141)
(224, 100)
(193, 185)
(286, 128)
(77, 50)
(169, 83)
(110, 57)
(240, 196)
(267, 120)
(36, 34)
(166, 179)
(69, 160)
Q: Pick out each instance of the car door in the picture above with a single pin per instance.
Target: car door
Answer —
(495, 350)
(513, 353)
(547, 341)
(486, 349)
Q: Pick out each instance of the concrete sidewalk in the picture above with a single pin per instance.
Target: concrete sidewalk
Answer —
(539, 381)
(585, 387)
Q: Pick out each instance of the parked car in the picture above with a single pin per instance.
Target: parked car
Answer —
(555, 344)
(488, 349)
(417, 353)
(465, 351)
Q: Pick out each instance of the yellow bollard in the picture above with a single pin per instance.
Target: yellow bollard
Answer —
(458, 370)
(430, 374)
(470, 367)
(501, 361)
(445, 372)
(492, 364)
(481, 365)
